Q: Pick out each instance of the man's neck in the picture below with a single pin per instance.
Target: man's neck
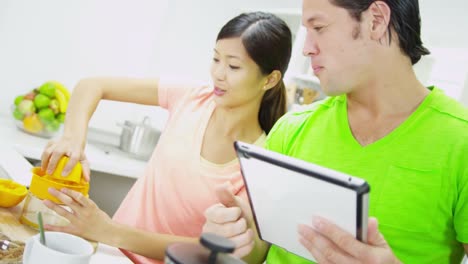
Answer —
(392, 91)
(384, 103)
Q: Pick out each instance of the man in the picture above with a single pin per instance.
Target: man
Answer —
(381, 124)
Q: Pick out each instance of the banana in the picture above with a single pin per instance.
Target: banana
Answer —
(61, 88)
(62, 99)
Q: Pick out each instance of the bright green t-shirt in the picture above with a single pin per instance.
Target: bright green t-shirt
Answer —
(418, 173)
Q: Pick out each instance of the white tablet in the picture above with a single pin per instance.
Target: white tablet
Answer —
(285, 192)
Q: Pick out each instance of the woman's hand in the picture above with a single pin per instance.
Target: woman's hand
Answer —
(55, 150)
(86, 219)
(231, 218)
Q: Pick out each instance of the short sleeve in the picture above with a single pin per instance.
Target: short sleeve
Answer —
(171, 90)
(283, 133)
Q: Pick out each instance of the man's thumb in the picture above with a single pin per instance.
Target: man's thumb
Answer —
(374, 237)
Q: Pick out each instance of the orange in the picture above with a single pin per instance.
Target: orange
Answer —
(73, 176)
(32, 124)
(11, 193)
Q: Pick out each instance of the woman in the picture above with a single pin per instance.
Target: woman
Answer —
(195, 152)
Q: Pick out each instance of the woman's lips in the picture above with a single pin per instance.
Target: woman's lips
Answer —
(219, 92)
(317, 69)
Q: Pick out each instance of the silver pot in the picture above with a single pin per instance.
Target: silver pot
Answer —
(138, 139)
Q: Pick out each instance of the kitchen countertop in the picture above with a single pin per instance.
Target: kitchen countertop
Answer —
(101, 149)
(11, 227)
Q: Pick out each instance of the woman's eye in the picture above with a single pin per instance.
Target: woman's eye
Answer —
(215, 60)
(318, 29)
(234, 67)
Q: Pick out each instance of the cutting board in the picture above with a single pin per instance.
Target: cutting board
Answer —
(10, 225)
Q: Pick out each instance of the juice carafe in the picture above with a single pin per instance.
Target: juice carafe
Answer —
(38, 191)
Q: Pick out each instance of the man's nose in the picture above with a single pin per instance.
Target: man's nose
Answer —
(310, 46)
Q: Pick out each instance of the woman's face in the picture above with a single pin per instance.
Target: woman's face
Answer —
(236, 77)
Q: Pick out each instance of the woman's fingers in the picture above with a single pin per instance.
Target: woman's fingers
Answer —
(46, 155)
(220, 214)
(59, 210)
(53, 160)
(243, 239)
(78, 197)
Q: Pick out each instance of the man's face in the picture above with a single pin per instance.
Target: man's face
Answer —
(338, 45)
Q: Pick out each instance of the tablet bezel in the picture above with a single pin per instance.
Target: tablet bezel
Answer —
(358, 185)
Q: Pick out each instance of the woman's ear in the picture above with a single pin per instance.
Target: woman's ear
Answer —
(379, 13)
(272, 80)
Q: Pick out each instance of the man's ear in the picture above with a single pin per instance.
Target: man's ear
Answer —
(379, 18)
(272, 80)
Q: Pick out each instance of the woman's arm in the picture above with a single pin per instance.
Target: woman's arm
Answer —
(88, 92)
(151, 245)
(88, 221)
(83, 102)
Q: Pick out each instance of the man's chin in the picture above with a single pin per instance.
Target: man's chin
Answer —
(333, 92)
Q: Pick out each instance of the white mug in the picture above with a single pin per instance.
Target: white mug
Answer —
(60, 248)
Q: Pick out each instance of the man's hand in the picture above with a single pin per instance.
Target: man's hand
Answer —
(330, 244)
(231, 218)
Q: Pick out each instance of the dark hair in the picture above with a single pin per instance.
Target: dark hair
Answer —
(267, 40)
(405, 20)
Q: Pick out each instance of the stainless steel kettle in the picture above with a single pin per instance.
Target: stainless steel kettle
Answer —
(138, 139)
(212, 250)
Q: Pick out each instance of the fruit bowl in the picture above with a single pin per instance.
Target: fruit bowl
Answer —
(36, 126)
(41, 112)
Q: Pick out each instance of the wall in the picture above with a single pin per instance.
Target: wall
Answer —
(444, 32)
(68, 40)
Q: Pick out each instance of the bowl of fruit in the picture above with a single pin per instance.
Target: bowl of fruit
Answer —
(41, 112)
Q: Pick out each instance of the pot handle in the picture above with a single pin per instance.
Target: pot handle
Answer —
(146, 121)
(125, 126)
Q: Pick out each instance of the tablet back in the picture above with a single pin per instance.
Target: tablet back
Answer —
(285, 192)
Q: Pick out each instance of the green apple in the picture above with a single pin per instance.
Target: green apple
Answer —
(47, 89)
(18, 99)
(61, 117)
(46, 115)
(17, 114)
(52, 126)
(41, 101)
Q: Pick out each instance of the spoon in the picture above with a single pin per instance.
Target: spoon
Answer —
(42, 238)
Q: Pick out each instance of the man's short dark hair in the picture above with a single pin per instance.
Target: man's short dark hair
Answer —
(405, 20)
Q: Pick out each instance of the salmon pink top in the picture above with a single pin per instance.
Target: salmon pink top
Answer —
(178, 185)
